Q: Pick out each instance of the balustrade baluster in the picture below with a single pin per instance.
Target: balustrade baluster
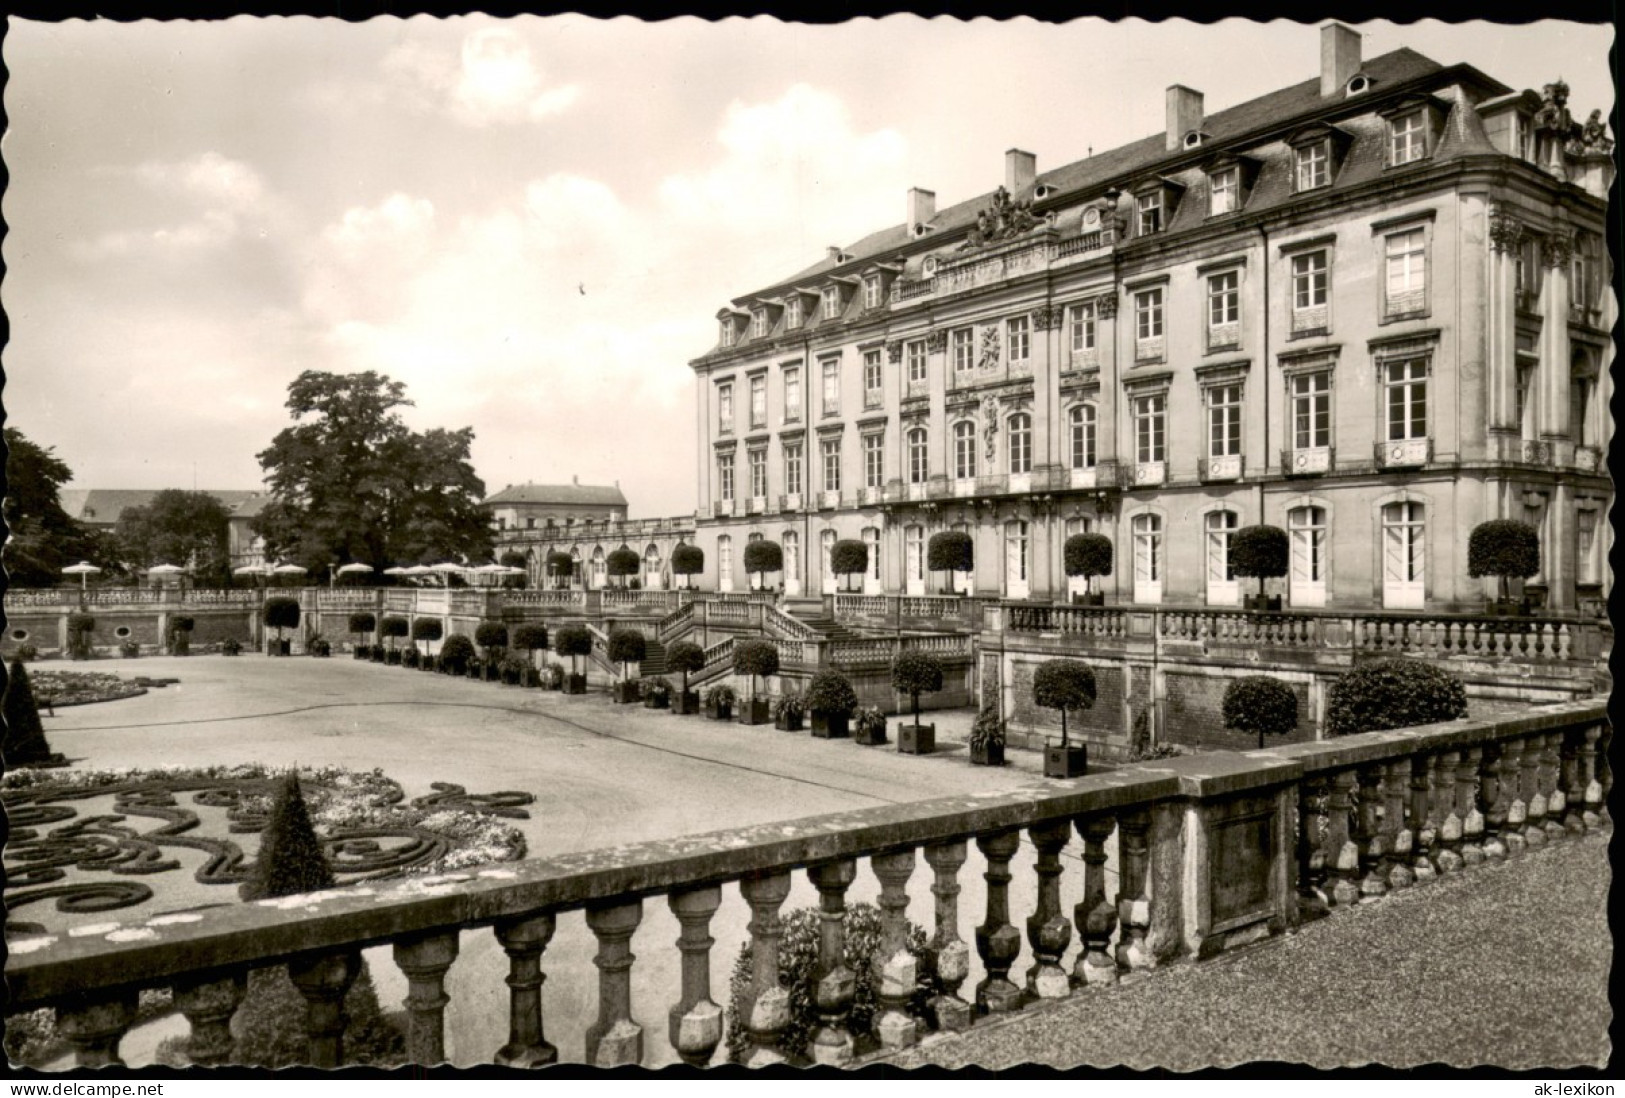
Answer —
(694, 1025)
(324, 982)
(896, 970)
(1133, 873)
(1534, 823)
(1605, 775)
(1512, 790)
(615, 1038)
(1401, 839)
(1424, 816)
(769, 1004)
(1448, 854)
(998, 943)
(1467, 806)
(1310, 853)
(949, 1011)
(208, 1005)
(1591, 798)
(524, 941)
(837, 984)
(1343, 840)
(425, 960)
(1573, 782)
(1497, 799)
(1096, 916)
(1373, 840)
(1551, 784)
(93, 1026)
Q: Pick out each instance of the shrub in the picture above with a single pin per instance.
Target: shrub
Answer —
(27, 652)
(987, 730)
(393, 627)
(720, 695)
(790, 705)
(25, 734)
(1504, 548)
(1067, 685)
(656, 688)
(1260, 704)
(553, 675)
(687, 560)
(1262, 552)
(798, 975)
(181, 623)
(513, 669)
(282, 612)
(427, 629)
(1088, 555)
(763, 556)
(491, 635)
(685, 657)
(871, 721)
(363, 621)
(573, 641)
(1392, 693)
(319, 646)
(530, 637)
(950, 551)
(624, 562)
(291, 860)
(80, 626)
(627, 646)
(81, 623)
(129, 648)
(231, 646)
(456, 654)
(831, 694)
(410, 658)
(915, 673)
(756, 658)
(560, 565)
(849, 558)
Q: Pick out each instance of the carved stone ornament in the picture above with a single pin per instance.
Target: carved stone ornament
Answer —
(1002, 219)
(990, 424)
(1553, 116)
(989, 359)
(1593, 138)
(1047, 317)
(1557, 249)
(936, 342)
(1108, 306)
(1506, 231)
(894, 352)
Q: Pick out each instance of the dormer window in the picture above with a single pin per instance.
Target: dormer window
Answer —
(1314, 165)
(832, 302)
(1149, 211)
(871, 291)
(727, 331)
(1413, 129)
(1154, 202)
(758, 323)
(1225, 191)
(1317, 153)
(792, 311)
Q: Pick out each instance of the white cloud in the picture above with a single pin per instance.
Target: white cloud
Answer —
(228, 198)
(493, 79)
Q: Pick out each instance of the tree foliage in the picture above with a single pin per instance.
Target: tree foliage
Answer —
(455, 653)
(849, 557)
(950, 551)
(756, 657)
(1261, 705)
(178, 527)
(1088, 555)
(394, 626)
(830, 693)
(363, 621)
(1392, 693)
(43, 539)
(687, 560)
(427, 629)
(291, 860)
(1067, 685)
(560, 564)
(491, 634)
(1504, 548)
(530, 637)
(915, 673)
(627, 646)
(573, 640)
(1263, 552)
(764, 556)
(623, 562)
(352, 482)
(685, 657)
(282, 613)
(25, 735)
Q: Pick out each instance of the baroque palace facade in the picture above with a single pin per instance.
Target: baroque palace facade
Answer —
(1372, 309)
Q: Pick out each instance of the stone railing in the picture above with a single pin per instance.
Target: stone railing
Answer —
(880, 651)
(224, 596)
(860, 606)
(1211, 853)
(905, 611)
(1089, 621)
(1517, 639)
(568, 599)
(431, 602)
(364, 598)
(675, 624)
(644, 600)
(778, 624)
(403, 601)
(1278, 630)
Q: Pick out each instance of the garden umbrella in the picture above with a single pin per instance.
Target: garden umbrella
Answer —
(165, 570)
(252, 570)
(82, 569)
(346, 569)
(397, 570)
(446, 569)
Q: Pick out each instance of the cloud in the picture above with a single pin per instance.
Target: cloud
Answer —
(493, 80)
(220, 200)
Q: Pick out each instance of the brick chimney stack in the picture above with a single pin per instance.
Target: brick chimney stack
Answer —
(1184, 115)
(1339, 58)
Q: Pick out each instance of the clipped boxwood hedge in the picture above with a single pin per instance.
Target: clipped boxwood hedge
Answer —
(1393, 693)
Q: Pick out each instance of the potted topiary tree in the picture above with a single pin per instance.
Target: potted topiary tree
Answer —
(1392, 693)
(685, 657)
(950, 551)
(281, 612)
(1088, 555)
(426, 630)
(492, 637)
(530, 638)
(915, 673)
(719, 702)
(362, 623)
(455, 655)
(180, 634)
(687, 561)
(623, 563)
(392, 628)
(1067, 685)
(1262, 552)
(762, 557)
(1260, 704)
(869, 730)
(561, 566)
(755, 658)
(787, 713)
(1508, 550)
(987, 739)
(574, 641)
(656, 693)
(80, 627)
(831, 699)
(513, 559)
(849, 558)
(626, 647)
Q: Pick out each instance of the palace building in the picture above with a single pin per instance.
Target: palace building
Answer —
(1372, 309)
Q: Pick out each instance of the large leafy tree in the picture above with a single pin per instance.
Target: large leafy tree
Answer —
(184, 528)
(353, 483)
(43, 538)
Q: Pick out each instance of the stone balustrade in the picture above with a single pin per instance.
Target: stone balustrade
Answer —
(1211, 852)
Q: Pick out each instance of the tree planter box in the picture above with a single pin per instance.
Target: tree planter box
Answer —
(657, 701)
(1093, 598)
(625, 693)
(1066, 762)
(720, 712)
(182, 648)
(788, 723)
(362, 652)
(393, 658)
(492, 673)
(685, 704)
(281, 648)
(379, 655)
(916, 741)
(989, 754)
(533, 678)
(755, 712)
(830, 728)
(575, 684)
(875, 738)
(1270, 604)
(428, 664)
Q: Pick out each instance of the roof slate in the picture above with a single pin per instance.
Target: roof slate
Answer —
(103, 506)
(559, 493)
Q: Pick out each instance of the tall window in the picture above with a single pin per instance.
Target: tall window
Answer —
(964, 341)
(1585, 548)
(792, 393)
(792, 468)
(1307, 527)
(965, 450)
(1220, 526)
(1021, 443)
(1580, 392)
(727, 327)
(1406, 381)
(1224, 191)
(919, 464)
(831, 450)
(792, 311)
(1224, 420)
(1406, 271)
(790, 541)
(1407, 138)
(1017, 563)
(758, 473)
(1314, 166)
(1018, 338)
(1309, 289)
(1081, 319)
(725, 477)
(725, 562)
(1312, 410)
(1148, 314)
(1147, 530)
(758, 323)
(1150, 428)
(1223, 299)
(871, 378)
(871, 538)
(1403, 555)
(914, 559)
(874, 462)
(1082, 421)
(832, 387)
(1149, 207)
(1525, 410)
(915, 353)
(832, 302)
(871, 292)
(725, 407)
(758, 401)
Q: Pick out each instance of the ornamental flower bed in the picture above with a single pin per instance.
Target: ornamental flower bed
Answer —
(80, 687)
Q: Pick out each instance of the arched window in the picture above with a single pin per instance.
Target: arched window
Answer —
(1016, 560)
(1083, 436)
(791, 541)
(651, 567)
(1306, 526)
(965, 450)
(1021, 443)
(871, 581)
(919, 463)
(1404, 556)
(914, 559)
(725, 563)
(600, 570)
(1147, 529)
(1222, 589)
(576, 574)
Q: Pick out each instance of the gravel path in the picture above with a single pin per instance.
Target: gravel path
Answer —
(1504, 965)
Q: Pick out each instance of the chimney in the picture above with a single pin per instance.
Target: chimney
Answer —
(1020, 169)
(834, 253)
(922, 207)
(574, 479)
(1339, 58)
(1184, 115)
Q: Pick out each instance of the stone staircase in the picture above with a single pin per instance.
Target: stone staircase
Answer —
(810, 612)
(654, 659)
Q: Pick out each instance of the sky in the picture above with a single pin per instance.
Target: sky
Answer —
(530, 222)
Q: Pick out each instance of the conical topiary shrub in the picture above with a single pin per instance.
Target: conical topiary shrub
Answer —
(291, 860)
(25, 743)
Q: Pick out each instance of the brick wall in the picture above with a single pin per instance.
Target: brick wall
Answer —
(1193, 713)
(43, 632)
(1101, 724)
